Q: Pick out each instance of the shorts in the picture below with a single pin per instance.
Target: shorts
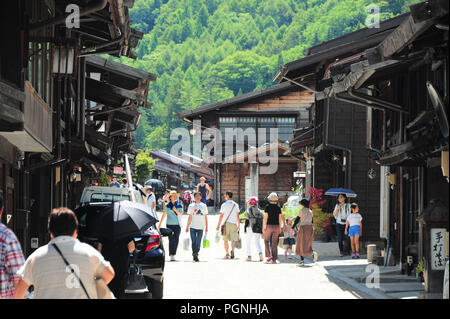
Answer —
(231, 233)
(289, 241)
(354, 231)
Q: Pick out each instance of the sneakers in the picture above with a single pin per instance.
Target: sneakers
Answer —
(357, 255)
(341, 254)
(196, 258)
(269, 259)
(232, 254)
(316, 256)
(261, 258)
(249, 258)
(172, 258)
(353, 256)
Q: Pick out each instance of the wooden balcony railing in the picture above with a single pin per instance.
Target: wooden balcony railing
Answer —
(37, 117)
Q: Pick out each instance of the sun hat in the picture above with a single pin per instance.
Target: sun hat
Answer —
(253, 200)
(273, 197)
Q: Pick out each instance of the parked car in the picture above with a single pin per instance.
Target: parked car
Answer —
(150, 254)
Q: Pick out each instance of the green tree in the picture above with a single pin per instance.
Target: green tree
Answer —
(144, 165)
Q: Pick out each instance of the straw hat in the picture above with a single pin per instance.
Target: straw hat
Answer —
(273, 197)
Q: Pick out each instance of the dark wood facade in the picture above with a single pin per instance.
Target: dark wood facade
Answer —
(52, 125)
(402, 82)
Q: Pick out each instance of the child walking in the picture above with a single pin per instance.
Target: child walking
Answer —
(354, 229)
(289, 238)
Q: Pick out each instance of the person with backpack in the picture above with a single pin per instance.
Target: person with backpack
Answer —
(341, 212)
(253, 227)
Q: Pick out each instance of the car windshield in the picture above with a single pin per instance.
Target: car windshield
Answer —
(101, 197)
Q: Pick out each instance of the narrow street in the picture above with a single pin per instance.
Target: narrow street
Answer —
(217, 278)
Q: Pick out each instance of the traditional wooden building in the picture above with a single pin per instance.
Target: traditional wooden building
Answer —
(66, 116)
(178, 173)
(280, 107)
(333, 144)
(402, 82)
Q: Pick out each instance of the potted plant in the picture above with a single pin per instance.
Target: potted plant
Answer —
(320, 218)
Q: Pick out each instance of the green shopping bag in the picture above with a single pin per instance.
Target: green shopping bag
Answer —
(205, 242)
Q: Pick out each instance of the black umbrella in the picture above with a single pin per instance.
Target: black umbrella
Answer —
(156, 184)
(124, 219)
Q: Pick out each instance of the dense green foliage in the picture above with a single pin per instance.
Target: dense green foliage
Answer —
(209, 50)
(144, 166)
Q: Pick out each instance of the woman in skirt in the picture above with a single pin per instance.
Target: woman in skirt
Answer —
(305, 234)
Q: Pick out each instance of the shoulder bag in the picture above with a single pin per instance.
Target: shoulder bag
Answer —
(222, 228)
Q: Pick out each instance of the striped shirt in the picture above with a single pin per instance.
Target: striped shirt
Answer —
(11, 259)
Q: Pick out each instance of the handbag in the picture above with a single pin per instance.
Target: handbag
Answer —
(135, 282)
(222, 228)
(205, 241)
(239, 243)
(217, 238)
(186, 242)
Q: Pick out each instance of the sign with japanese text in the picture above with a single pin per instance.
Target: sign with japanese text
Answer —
(438, 243)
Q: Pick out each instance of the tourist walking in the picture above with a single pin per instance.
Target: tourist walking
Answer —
(11, 257)
(341, 212)
(171, 212)
(305, 234)
(253, 227)
(151, 198)
(65, 268)
(354, 229)
(272, 223)
(204, 189)
(115, 183)
(231, 225)
(289, 238)
(197, 222)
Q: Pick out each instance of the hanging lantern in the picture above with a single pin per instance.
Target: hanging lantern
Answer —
(63, 60)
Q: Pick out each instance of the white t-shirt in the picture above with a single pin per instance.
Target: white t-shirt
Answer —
(198, 212)
(225, 209)
(150, 200)
(343, 213)
(354, 219)
(52, 279)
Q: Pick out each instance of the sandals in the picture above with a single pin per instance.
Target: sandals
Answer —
(227, 256)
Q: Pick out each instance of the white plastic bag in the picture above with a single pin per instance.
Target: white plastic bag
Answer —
(217, 238)
(186, 243)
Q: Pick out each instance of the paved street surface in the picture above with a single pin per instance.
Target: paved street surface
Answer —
(217, 278)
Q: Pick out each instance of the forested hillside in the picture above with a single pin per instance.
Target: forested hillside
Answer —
(209, 50)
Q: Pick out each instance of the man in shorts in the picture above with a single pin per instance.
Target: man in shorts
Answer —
(230, 210)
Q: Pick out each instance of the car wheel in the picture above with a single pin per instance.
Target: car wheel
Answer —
(155, 287)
